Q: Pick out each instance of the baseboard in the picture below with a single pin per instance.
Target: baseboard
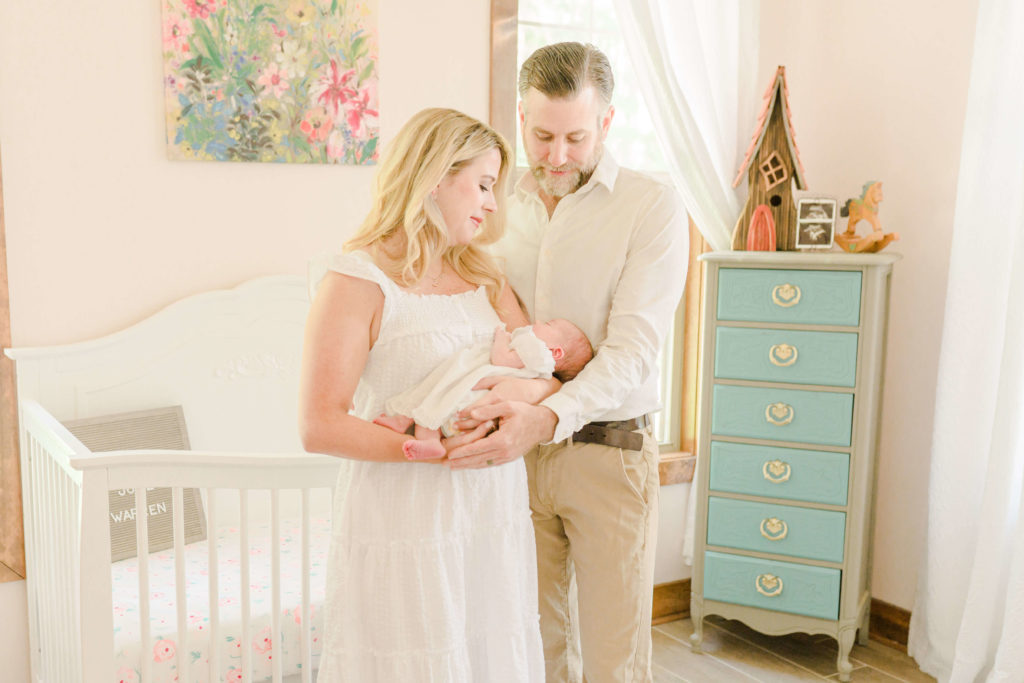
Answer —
(889, 624)
(671, 601)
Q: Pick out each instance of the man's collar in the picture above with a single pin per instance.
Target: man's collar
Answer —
(605, 174)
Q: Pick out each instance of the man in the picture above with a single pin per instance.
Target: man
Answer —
(606, 248)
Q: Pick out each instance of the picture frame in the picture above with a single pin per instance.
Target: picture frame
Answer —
(816, 223)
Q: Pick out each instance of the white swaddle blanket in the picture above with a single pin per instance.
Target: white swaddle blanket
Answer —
(448, 389)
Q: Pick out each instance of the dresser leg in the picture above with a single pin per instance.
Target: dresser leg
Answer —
(846, 638)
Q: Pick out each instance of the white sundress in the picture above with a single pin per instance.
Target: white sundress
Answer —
(432, 573)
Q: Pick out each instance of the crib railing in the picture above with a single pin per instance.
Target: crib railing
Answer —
(67, 544)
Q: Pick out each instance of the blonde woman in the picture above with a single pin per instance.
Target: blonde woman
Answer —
(432, 573)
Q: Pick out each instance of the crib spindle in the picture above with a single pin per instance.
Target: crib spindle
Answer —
(180, 592)
(212, 572)
(275, 585)
(306, 627)
(142, 553)
(243, 551)
(67, 524)
(41, 465)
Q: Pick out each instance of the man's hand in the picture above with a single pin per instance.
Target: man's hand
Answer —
(521, 426)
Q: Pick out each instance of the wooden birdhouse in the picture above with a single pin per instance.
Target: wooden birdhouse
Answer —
(772, 164)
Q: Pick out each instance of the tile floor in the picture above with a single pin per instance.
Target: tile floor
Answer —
(733, 652)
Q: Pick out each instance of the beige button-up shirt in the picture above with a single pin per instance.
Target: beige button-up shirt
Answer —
(612, 259)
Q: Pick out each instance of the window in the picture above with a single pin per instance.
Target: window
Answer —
(773, 171)
(633, 143)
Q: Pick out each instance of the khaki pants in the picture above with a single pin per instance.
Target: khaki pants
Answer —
(595, 515)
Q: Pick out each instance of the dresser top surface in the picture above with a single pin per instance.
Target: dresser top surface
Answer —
(798, 258)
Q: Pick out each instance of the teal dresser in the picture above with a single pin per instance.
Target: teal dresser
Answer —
(793, 355)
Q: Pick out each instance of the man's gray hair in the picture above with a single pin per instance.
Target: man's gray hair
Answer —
(562, 70)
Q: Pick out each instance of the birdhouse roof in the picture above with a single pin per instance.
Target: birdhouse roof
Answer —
(776, 94)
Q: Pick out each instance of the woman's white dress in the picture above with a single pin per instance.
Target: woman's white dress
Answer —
(431, 572)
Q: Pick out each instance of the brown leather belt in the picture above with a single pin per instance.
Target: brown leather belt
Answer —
(617, 433)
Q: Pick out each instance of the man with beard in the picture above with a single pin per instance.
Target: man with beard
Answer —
(606, 248)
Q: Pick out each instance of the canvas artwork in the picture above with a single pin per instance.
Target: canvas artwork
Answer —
(271, 80)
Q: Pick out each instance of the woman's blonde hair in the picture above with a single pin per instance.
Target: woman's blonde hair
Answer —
(433, 144)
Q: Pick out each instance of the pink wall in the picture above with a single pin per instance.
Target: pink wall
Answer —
(103, 230)
(878, 91)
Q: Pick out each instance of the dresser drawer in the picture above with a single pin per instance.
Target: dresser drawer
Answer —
(828, 358)
(779, 529)
(782, 414)
(780, 586)
(791, 473)
(814, 297)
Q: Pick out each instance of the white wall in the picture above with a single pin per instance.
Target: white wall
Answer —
(13, 631)
(878, 90)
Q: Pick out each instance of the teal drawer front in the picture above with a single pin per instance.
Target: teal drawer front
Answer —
(791, 473)
(828, 358)
(778, 586)
(780, 529)
(782, 414)
(814, 297)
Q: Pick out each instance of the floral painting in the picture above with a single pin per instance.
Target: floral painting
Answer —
(271, 80)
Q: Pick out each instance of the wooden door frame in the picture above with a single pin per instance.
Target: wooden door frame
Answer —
(12, 532)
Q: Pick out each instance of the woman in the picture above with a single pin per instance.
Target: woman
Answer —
(431, 570)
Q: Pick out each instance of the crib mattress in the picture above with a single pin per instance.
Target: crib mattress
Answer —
(162, 649)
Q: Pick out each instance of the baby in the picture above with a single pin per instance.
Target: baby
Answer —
(556, 347)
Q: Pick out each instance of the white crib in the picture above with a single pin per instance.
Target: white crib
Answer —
(230, 358)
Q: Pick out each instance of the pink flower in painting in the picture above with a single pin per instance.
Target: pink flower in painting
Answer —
(274, 80)
(201, 8)
(358, 114)
(316, 124)
(233, 676)
(127, 675)
(177, 29)
(335, 87)
(261, 643)
(163, 650)
(335, 151)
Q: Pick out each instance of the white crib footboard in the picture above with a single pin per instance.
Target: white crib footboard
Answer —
(67, 545)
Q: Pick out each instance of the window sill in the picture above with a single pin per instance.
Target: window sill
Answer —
(676, 467)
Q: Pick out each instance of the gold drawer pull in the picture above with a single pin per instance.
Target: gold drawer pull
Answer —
(779, 414)
(782, 355)
(786, 295)
(774, 529)
(768, 585)
(776, 471)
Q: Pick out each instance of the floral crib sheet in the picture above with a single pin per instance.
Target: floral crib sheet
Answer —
(162, 649)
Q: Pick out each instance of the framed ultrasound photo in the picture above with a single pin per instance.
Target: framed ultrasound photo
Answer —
(815, 223)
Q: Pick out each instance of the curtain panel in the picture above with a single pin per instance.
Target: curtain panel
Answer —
(968, 617)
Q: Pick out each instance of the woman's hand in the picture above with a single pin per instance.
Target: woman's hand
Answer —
(521, 426)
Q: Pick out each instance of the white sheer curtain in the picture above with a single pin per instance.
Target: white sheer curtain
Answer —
(696, 62)
(968, 617)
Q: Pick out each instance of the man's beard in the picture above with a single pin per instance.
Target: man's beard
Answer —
(576, 177)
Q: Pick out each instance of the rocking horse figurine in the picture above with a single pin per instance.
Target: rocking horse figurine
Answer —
(865, 208)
